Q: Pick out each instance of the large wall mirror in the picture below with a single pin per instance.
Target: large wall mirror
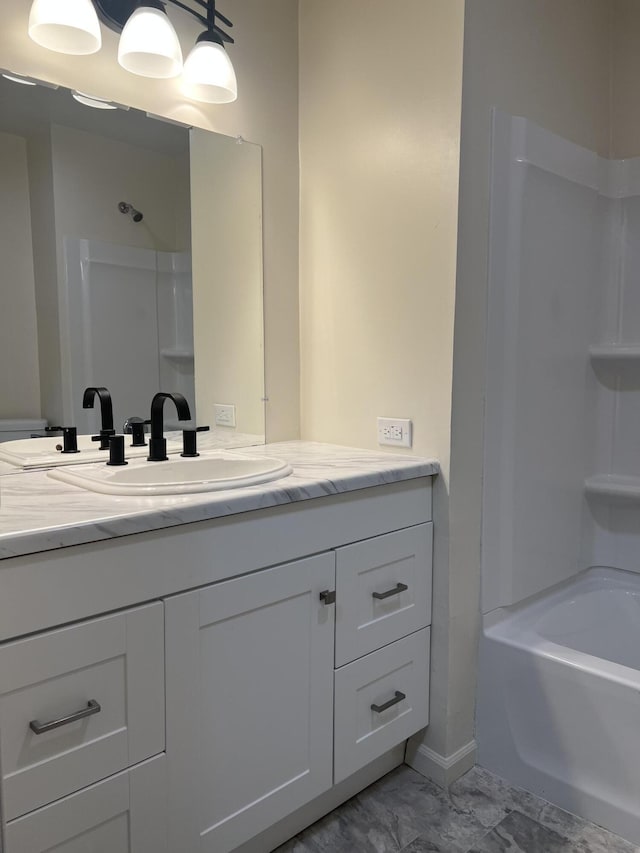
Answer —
(94, 294)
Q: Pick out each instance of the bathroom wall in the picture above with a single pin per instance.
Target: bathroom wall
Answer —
(46, 269)
(380, 90)
(612, 529)
(625, 70)
(92, 174)
(227, 254)
(19, 376)
(266, 62)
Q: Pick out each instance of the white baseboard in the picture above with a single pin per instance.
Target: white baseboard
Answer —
(442, 769)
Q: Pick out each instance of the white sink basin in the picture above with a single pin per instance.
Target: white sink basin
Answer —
(46, 452)
(207, 473)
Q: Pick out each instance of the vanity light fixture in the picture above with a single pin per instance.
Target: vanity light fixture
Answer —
(92, 101)
(24, 81)
(149, 45)
(66, 26)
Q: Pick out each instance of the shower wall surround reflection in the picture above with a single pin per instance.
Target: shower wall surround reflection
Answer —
(65, 171)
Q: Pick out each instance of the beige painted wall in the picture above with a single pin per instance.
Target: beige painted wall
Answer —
(380, 101)
(45, 265)
(226, 202)
(266, 62)
(92, 174)
(625, 115)
(548, 61)
(19, 374)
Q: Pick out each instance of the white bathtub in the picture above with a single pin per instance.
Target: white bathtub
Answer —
(559, 697)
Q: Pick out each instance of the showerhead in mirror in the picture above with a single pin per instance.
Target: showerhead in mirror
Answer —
(124, 207)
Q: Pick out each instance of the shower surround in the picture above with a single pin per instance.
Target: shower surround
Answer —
(562, 458)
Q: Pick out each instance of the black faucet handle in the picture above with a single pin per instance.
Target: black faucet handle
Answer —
(116, 450)
(103, 437)
(134, 426)
(189, 441)
(69, 438)
(138, 433)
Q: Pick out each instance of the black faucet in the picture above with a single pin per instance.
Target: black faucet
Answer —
(69, 437)
(157, 441)
(106, 413)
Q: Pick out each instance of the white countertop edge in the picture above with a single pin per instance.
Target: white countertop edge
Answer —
(40, 514)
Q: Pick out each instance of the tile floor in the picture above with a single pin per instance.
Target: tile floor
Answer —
(479, 814)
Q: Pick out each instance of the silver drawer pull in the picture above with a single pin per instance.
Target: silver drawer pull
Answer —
(40, 728)
(397, 698)
(401, 587)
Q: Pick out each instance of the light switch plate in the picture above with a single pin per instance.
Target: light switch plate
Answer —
(224, 414)
(395, 432)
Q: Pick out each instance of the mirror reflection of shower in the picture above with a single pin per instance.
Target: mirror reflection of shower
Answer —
(126, 208)
(130, 322)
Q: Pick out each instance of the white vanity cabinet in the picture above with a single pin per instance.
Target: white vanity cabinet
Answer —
(283, 652)
(252, 725)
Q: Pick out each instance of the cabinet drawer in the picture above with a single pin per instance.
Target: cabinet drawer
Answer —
(396, 677)
(116, 662)
(123, 814)
(383, 588)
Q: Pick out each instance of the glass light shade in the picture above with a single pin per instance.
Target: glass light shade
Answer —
(66, 26)
(149, 45)
(92, 101)
(15, 79)
(209, 75)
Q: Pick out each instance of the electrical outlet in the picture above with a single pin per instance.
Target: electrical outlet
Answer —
(395, 432)
(224, 415)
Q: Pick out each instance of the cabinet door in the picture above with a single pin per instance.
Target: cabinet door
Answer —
(249, 703)
(124, 814)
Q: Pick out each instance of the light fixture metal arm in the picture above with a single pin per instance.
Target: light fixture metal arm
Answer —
(210, 7)
(115, 13)
(209, 21)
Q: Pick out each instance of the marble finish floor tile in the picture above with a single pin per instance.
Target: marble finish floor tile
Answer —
(518, 833)
(480, 813)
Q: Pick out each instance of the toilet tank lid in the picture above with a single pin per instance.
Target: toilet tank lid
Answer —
(20, 424)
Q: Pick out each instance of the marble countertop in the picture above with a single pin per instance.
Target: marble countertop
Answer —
(38, 513)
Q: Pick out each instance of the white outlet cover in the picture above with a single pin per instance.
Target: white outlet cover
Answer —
(224, 414)
(395, 432)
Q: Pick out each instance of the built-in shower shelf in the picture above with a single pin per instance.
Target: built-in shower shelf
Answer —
(615, 353)
(178, 354)
(613, 486)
